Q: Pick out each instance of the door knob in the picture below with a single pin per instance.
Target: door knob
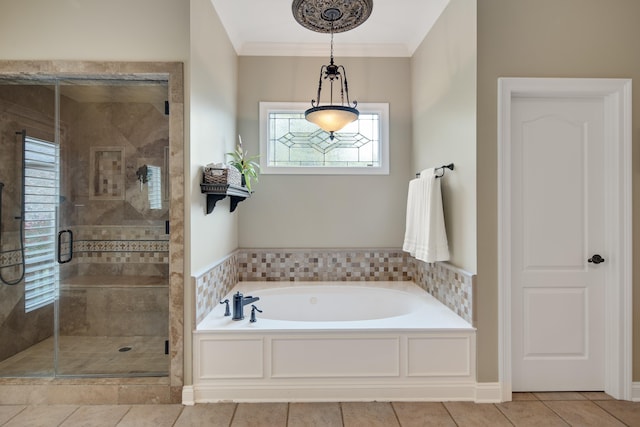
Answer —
(596, 259)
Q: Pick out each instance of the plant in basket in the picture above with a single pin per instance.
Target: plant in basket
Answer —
(247, 165)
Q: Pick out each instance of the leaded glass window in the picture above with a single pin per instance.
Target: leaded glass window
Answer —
(292, 145)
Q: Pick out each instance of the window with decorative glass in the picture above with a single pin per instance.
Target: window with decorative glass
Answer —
(289, 144)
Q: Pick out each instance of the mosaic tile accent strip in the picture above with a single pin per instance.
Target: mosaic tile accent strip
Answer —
(323, 265)
(452, 286)
(10, 251)
(215, 283)
(115, 244)
(9, 258)
(121, 246)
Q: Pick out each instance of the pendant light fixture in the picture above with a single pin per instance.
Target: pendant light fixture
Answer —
(331, 17)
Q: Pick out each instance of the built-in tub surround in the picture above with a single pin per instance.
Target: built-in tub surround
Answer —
(416, 349)
(452, 286)
(213, 283)
(292, 265)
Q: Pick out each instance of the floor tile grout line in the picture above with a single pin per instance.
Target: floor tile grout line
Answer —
(395, 413)
(124, 415)
(495, 405)
(608, 412)
(72, 412)
(450, 414)
(286, 417)
(544, 402)
(178, 417)
(233, 414)
(16, 414)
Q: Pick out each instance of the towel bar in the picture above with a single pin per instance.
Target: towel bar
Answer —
(449, 166)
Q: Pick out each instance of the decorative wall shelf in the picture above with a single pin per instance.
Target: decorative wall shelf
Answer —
(216, 192)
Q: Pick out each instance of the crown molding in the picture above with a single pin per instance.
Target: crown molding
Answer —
(398, 50)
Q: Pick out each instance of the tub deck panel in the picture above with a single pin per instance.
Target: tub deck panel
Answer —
(235, 358)
(425, 355)
(318, 358)
(439, 356)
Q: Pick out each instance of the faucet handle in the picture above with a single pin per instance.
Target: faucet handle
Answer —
(253, 313)
(226, 311)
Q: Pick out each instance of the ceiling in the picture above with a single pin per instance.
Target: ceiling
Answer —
(267, 28)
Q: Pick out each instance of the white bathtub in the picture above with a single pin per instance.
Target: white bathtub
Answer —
(334, 341)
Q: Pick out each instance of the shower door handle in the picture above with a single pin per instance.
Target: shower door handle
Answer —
(69, 254)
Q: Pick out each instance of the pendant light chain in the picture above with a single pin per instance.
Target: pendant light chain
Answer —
(331, 78)
(332, 42)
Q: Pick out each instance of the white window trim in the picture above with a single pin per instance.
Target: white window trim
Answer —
(268, 107)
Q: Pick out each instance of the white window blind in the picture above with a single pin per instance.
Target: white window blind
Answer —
(155, 187)
(41, 195)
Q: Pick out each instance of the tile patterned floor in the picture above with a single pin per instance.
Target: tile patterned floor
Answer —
(527, 409)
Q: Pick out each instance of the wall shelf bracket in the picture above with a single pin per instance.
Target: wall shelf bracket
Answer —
(217, 192)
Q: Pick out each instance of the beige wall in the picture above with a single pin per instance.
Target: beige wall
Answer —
(544, 38)
(213, 71)
(443, 85)
(211, 131)
(306, 211)
(118, 30)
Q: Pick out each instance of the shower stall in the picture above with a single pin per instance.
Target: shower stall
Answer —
(84, 231)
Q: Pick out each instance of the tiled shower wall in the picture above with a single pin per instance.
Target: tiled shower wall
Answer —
(450, 285)
(119, 250)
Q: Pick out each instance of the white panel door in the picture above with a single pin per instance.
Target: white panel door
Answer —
(558, 199)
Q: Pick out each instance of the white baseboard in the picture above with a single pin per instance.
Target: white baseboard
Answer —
(471, 392)
(188, 395)
(635, 392)
(488, 393)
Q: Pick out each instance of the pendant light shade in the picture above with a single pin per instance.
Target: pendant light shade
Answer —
(332, 16)
(331, 118)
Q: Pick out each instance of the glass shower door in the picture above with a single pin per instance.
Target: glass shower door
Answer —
(113, 305)
(28, 272)
(84, 241)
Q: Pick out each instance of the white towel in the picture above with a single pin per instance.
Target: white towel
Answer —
(425, 235)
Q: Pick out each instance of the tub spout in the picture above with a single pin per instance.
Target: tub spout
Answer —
(239, 301)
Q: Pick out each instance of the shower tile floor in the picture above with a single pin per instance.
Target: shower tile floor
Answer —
(81, 355)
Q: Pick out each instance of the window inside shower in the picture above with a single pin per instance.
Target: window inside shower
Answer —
(84, 209)
(41, 194)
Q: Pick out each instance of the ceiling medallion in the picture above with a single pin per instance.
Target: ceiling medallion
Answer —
(326, 16)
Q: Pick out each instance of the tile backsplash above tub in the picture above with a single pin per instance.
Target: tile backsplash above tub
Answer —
(323, 265)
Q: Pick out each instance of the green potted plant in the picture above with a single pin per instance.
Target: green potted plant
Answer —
(247, 165)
